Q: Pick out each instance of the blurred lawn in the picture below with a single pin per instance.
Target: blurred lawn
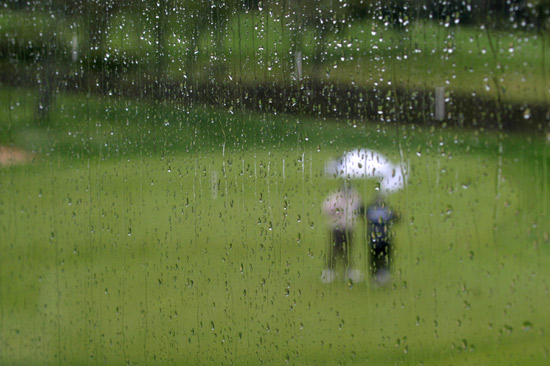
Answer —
(464, 59)
(254, 48)
(145, 233)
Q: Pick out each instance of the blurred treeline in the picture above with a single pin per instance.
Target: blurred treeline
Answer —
(260, 51)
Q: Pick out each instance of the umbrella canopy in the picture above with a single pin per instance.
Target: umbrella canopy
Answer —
(396, 180)
(369, 164)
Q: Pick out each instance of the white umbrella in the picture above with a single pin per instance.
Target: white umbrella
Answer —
(396, 180)
(365, 163)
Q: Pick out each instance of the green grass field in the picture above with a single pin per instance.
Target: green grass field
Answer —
(258, 47)
(144, 235)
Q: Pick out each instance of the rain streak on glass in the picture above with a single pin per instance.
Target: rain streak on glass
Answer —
(271, 182)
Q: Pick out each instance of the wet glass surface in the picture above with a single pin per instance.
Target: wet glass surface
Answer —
(252, 182)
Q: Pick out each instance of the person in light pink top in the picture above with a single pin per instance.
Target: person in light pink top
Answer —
(343, 209)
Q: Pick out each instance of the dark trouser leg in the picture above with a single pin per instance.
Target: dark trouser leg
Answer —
(348, 250)
(339, 247)
(379, 257)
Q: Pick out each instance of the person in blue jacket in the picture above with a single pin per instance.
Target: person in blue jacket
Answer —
(380, 219)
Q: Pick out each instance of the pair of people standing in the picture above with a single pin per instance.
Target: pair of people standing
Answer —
(344, 208)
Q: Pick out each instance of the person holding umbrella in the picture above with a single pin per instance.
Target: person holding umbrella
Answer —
(343, 208)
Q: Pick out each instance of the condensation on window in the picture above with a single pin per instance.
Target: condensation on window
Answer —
(274, 182)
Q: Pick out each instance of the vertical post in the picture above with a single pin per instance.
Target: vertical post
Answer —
(74, 51)
(298, 59)
(440, 103)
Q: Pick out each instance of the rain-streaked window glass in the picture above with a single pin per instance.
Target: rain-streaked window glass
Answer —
(269, 182)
